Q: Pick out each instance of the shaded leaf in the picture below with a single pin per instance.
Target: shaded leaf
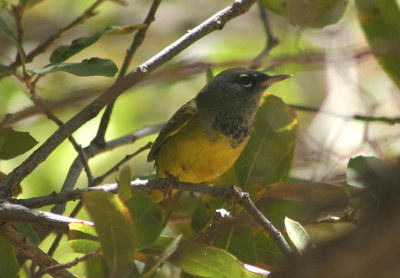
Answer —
(323, 232)
(14, 143)
(5, 70)
(6, 32)
(124, 183)
(115, 230)
(82, 238)
(202, 215)
(207, 261)
(268, 254)
(237, 240)
(381, 25)
(95, 268)
(88, 67)
(268, 156)
(314, 13)
(168, 250)
(325, 193)
(147, 217)
(8, 262)
(297, 235)
(27, 230)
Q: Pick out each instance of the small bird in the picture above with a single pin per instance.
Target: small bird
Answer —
(206, 135)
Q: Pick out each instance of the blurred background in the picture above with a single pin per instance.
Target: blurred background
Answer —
(334, 72)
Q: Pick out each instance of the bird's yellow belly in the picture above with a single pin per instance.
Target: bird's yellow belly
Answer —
(192, 156)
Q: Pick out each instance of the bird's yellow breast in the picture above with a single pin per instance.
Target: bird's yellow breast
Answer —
(192, 155)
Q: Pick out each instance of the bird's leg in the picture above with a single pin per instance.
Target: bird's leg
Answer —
(171, 182)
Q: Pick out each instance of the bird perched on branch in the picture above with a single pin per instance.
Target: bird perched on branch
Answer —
(207, 134)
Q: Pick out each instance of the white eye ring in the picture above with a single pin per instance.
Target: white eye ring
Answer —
(245, 80)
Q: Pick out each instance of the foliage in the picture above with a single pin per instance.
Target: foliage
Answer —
(289, 167)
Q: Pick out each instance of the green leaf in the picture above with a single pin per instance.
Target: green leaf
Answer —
(241, 242)
(168, 250)
(202, 215)
(8, 262)
(115, 230)
(147, 217)
(14, 143)
(27, 230)
(268, 253)
(124, 183)
(297, 235)
(83, 238)
(64, 52)
(95, 268)
(6, 32)
(5, 70)
(308, 13)
(88, 67)
(207, 261)
(268, 156)
(381, 25)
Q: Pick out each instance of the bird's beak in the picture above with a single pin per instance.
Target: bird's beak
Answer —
(273, 79)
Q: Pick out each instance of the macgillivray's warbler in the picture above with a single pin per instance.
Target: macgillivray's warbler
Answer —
(206, 135)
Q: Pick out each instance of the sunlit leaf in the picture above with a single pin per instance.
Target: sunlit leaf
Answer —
(297, 235)
(8, 262)
(381, 25)
(115, 230)
(83, 238)
(6, 32)
(147, 217)
(14, 143)
(308, 13)
(123, 30)
(207, 261)
(88, 67)
(5, 70)
(124, 183)
(268, 156)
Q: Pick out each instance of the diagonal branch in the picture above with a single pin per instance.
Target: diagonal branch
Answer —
(215, 22)
(31, 251)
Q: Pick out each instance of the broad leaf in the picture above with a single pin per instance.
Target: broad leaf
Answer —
(6, 32)
(83, 238)
(64, 52)
(8, 262)
(268, 156)
(308, 13)
(14, 143)
(207, 261)
(147, 217)
(297, 235)
(268, 253)
(381, 25)
(114, 226)
(88, 67)
(5, 70)
(27, 230)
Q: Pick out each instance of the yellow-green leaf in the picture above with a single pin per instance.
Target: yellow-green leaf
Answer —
(297, 235)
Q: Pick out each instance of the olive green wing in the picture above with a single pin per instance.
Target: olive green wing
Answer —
(173, 126)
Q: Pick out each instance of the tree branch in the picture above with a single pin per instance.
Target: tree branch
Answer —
(31, 251)
(215, 22)
(21, 214)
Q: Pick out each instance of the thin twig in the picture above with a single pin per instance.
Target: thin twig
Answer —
(215, 22)
(42, 47)
(69, 264)
(31, 251)
(363, 118)
(272, 41)
(137, 41)
(114, 168)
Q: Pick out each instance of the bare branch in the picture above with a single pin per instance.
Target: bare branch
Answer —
(69, 264)
(20, 214)
(31, 251)
(215, 22)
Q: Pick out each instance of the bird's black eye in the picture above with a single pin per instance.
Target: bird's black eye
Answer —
(246, 80)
